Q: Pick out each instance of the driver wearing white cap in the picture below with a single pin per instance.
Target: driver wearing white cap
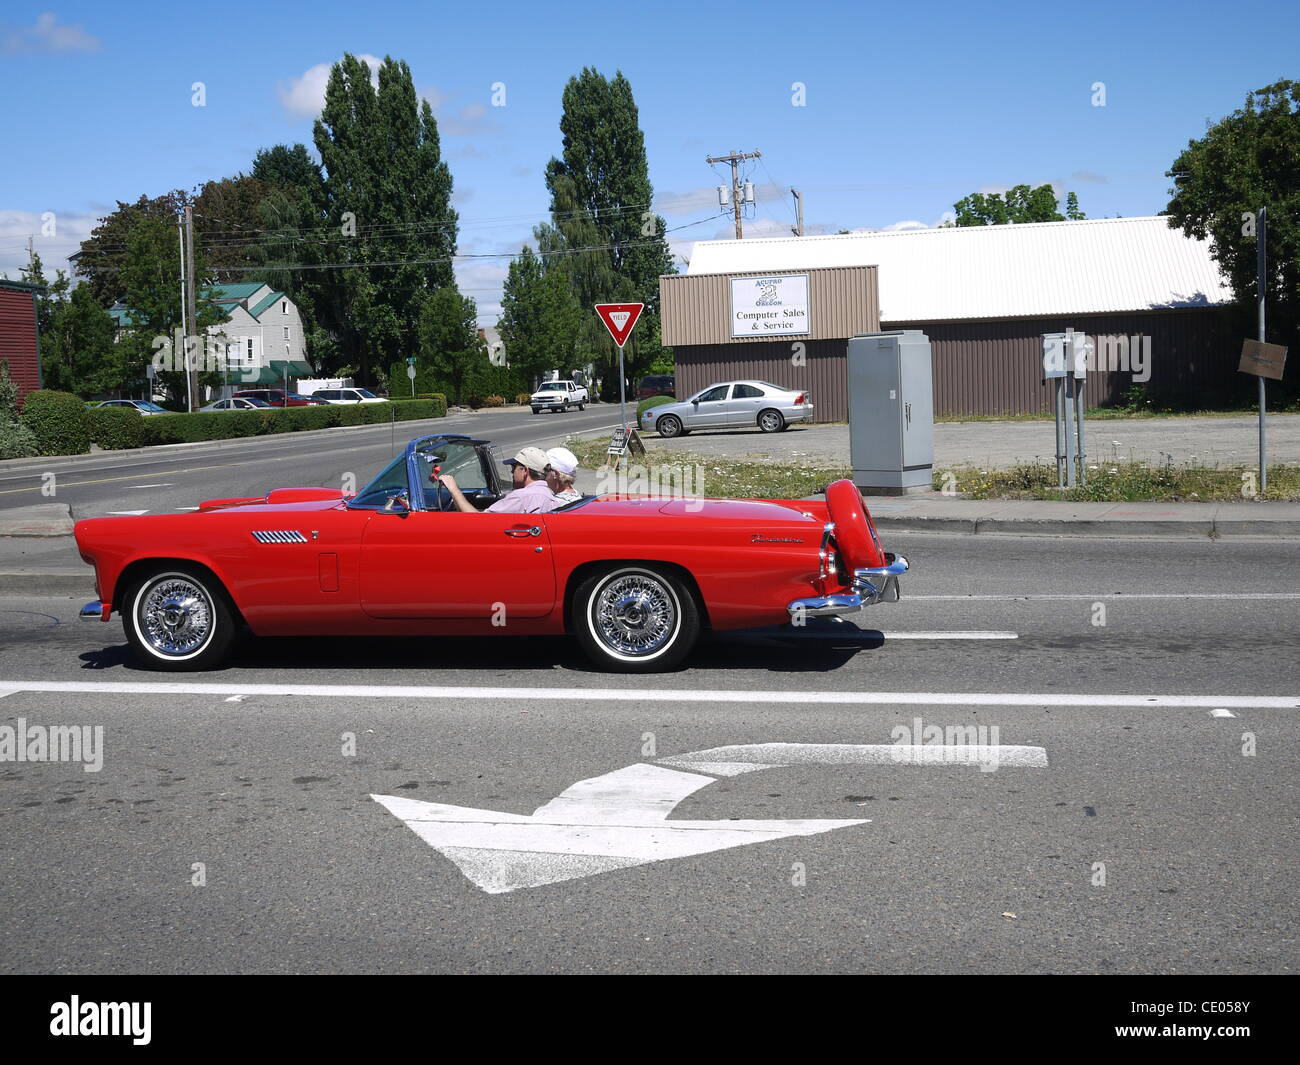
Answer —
(530, 495)
(562, 465)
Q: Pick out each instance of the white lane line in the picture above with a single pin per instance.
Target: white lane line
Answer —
(187, 508)
(659, 695)
(127, 513)
(167, 484)
(1108, 595)
(7, 691)
(1219, 711)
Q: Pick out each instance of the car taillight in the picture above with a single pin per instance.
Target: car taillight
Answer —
(799, 402)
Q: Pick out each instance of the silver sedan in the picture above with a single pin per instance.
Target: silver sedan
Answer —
(734, 405)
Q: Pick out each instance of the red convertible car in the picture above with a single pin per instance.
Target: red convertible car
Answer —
(634, 578)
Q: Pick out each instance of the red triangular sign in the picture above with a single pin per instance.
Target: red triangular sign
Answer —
(619, 318)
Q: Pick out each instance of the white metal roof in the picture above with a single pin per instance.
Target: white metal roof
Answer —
(1094, 266)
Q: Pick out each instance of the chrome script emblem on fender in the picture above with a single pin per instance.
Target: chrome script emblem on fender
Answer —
(759, 538)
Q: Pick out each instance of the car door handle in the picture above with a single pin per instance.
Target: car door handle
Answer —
(524, 530)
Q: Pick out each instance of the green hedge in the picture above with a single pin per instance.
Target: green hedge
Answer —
(58, 421)
(226, 425)
(115, 428)
(653, 401)
(63, 428)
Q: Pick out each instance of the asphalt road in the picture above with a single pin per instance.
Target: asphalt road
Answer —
(1191, 812)
(180, 479)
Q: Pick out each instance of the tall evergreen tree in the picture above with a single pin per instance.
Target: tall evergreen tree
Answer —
(387, 195)
(601, 217)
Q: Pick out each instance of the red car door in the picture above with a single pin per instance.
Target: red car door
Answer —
(428, 564)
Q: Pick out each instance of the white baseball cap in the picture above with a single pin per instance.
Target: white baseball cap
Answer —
(562, 460)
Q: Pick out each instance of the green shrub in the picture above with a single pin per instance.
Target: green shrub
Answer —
(58, 421)
(116, 428)
(16, 440)
(653, 401)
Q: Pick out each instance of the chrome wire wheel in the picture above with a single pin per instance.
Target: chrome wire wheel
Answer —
(175, 618)
(635, 615)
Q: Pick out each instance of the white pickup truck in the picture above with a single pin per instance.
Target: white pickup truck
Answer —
(559, 395)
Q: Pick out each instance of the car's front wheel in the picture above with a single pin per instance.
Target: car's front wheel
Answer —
(669, 426)
(635, 619)
(178, 618)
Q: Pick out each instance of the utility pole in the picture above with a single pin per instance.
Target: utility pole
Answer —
(737, 193)
(797, 229)
(191, 375)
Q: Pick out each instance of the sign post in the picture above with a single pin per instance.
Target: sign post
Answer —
(410, 372)
(1258, 357)
(619, 318)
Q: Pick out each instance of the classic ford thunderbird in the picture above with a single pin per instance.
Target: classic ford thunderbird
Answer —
(634, 579)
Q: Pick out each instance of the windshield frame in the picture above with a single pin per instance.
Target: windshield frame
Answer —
(417, 469)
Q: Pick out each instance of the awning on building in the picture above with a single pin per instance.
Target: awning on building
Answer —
(275, 373)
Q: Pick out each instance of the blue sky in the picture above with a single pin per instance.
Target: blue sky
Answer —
(907, 107)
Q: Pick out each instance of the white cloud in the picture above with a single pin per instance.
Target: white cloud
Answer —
(16, 226)
(304, 96)
(47, 37)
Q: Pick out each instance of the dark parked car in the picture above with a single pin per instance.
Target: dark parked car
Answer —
(657, 385)
(277, 397)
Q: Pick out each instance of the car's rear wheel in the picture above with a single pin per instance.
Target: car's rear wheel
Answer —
(635, 619)
(855, 532)
(178, 618)
(669, 426)
(770, 421)
(582, 406)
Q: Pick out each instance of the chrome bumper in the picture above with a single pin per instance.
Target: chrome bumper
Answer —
(878, 584)
(93, 612)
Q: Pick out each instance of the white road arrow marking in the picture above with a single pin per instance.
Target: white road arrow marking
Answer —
(127, 513)
(608, 822)
(620, 819)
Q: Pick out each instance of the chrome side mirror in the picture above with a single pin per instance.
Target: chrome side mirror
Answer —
(398, 503)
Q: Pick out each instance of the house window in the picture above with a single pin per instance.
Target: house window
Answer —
(284, 307)
(286, 332)
(249, 354)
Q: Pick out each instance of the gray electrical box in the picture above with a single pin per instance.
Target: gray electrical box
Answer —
(891, 411)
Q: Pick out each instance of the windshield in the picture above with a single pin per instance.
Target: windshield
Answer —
(391, 481)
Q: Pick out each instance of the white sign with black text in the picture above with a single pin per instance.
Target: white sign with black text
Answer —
(770, 306)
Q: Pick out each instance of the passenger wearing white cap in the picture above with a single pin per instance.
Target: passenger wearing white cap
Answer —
(562, 465)
(530, 495)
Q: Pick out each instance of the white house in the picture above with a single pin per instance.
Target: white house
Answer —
(263, 340)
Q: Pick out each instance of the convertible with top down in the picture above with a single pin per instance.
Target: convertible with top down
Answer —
(635, 579)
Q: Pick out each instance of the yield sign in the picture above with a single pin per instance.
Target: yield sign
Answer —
(619, 318)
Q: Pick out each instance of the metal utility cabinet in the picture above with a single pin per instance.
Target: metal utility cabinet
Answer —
(891, 411)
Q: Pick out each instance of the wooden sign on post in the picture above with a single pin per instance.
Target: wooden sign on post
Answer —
(1261, 359)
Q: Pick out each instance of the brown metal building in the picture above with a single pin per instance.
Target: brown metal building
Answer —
(1152, 299)
(19, 343)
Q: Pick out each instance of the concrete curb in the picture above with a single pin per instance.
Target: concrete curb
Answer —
(65, 582)
(1191, 529)
(45, 519)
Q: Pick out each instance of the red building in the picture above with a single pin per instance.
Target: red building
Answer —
(19, 344)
